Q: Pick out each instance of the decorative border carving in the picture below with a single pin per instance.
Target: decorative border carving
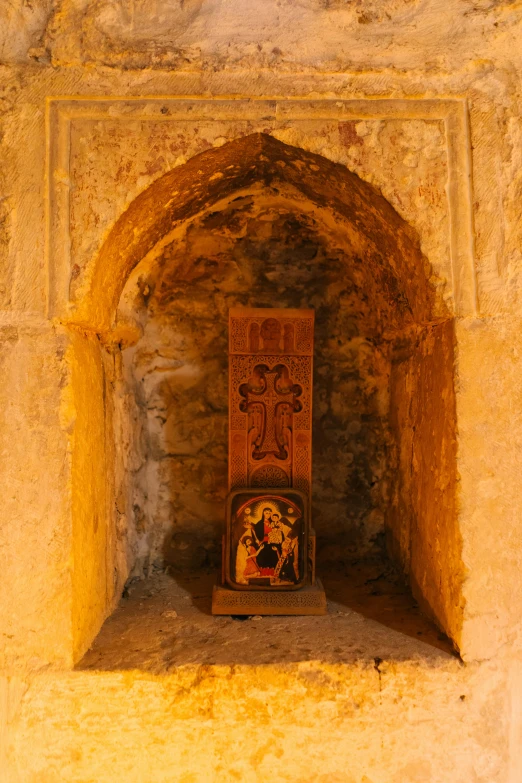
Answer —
(240, 368)
(62, 111)
(310, 599)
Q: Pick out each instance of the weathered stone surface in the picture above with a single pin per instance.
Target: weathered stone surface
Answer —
(212, 723)
(164, 622)
(380, 152)
(432, 89)
(422, 511)
(261, 251)
(202, 33)
(211, 176)
(91, 482)
(35, 530)
(489, 415)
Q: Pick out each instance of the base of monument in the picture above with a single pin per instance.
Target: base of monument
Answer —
(310, 599)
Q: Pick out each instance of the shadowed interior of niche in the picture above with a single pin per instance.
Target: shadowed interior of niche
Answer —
(383, 414)
(254, 254)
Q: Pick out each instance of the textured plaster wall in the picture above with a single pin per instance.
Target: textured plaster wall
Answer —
(423, 533)
(433, 91)
(35, 538)
(92, 486)
(257, 250)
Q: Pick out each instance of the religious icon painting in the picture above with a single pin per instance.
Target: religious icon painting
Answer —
(267, 540)
(268, 565)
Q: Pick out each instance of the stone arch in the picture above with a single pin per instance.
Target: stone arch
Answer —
(427, 545)
(215, 174)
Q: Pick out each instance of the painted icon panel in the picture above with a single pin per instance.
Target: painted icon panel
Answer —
(267, 539)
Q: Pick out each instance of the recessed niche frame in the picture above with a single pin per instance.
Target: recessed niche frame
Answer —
(62, 112)
(173, 197)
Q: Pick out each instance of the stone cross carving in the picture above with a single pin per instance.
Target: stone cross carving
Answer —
(270, 409)
(269, 544)
(270, 412)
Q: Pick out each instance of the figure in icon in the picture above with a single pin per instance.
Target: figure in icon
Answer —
(268, 548)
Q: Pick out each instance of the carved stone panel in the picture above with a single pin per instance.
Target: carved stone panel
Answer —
(270, 393)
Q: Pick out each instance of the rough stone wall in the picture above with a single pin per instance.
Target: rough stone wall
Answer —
(421, 516)
(405, 161)
(253, 253)
(381, 65)
(35, 539)
(92, 482)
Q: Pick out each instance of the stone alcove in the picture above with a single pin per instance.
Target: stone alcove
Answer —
(259, 223)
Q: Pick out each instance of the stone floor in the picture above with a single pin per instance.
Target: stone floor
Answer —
(370, 693)
(165, 622)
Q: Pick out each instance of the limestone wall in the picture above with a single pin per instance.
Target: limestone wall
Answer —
(35, 534)
(306, 722)
(98, 100)
(423, 529)
(257, 251)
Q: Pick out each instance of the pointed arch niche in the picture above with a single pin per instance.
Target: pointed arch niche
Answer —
(257, 222)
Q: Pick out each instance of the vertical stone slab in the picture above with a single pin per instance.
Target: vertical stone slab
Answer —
(422, 523)
(35, 528)
(270, 398)
(267, 546)
(91, 491)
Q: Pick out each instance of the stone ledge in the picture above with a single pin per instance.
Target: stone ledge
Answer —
(170, 693)
(380, 722)
(165, 623)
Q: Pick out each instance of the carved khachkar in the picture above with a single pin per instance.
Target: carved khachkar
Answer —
(269, 546)
(270, 393)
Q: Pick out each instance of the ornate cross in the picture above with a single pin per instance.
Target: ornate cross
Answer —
(271, 354)
(274, 405)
